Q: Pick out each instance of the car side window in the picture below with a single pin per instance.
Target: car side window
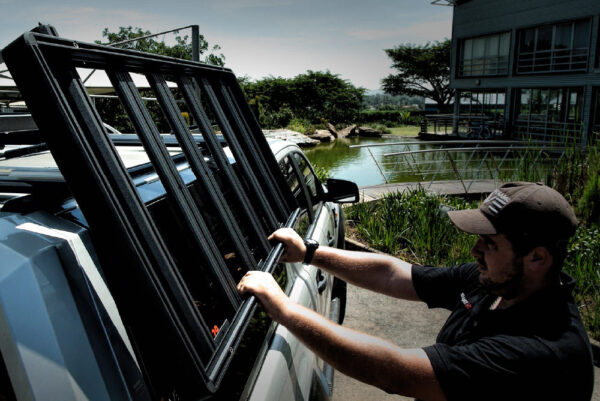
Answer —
(305, 186)
(287, 169)
(308, 175)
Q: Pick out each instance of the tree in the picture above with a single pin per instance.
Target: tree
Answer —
(422, 71)
(111, 111)
(312, 96)
(181, 49)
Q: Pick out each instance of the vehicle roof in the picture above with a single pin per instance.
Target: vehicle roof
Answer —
(278, 146)
(42, 165)
(132, 156)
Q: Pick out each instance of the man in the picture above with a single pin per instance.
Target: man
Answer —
(514, 332)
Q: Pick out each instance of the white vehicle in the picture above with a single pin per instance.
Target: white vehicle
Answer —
(62, 336)
(121, 252)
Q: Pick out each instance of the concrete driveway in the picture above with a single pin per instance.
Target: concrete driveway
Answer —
(407, 324)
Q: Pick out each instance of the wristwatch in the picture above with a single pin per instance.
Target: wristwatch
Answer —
(311, 246)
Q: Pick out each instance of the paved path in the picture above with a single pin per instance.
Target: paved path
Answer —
(407, 324)
(453, 187)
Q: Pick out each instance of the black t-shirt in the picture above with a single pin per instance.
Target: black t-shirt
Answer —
(535, 350)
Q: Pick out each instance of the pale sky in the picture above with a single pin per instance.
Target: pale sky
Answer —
(258, 37)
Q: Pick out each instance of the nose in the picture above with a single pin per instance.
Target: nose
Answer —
(476, 250)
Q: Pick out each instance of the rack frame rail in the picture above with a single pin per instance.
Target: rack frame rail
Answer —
(175, 350)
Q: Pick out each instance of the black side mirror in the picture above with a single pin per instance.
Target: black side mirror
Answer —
(341, 191)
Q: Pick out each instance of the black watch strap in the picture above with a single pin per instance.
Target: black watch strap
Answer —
(311, 246)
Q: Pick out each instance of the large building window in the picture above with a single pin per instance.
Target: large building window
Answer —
(478, 108)
(552, 48)
(485, 55)
(549, 114)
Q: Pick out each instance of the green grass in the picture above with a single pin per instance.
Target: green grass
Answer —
(406, 130)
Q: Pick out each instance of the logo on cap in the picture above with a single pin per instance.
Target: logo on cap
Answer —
(496, 201)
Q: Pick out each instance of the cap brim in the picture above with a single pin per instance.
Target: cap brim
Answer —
(472, 221)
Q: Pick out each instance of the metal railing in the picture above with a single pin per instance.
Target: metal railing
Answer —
(543, 61)
(443, 124)
(467, 162)
(547, 130)
(484, 66)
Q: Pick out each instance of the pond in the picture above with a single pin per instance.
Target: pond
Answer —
(367, 166)
(357, 164)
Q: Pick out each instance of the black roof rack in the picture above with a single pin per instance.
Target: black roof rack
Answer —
(171, 333)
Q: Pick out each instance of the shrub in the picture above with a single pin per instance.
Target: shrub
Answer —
(405, 117)
(321, 172)
(588, 205)
(276, 119)
(300, 125)
(380, 127)
(412, 225)
(583, 264)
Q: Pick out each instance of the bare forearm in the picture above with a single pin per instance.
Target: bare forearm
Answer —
(364, 357)
(380, 273)
(384, 274)
(358, 355)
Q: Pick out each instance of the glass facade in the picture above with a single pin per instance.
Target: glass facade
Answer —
(485, 55)
(554, 48)
(549, 114)
(482, 107)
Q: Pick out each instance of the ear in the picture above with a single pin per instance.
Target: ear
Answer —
(539, 260)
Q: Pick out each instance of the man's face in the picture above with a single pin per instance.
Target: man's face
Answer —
(500, 270)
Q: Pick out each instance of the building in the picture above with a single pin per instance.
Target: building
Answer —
(528, 68)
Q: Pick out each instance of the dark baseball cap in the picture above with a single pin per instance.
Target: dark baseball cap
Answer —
(520, 207)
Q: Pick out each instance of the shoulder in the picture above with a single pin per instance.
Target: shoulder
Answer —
(466, 272)
(441, 286)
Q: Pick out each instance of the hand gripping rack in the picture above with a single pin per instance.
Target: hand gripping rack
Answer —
(172, 338)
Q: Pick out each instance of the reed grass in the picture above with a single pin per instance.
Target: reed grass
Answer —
(583, 263)
(414, 226)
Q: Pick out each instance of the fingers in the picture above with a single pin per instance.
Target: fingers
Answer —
(283, 234)
(256, 282)
(293, 243)
(243, 286)
(266, 289)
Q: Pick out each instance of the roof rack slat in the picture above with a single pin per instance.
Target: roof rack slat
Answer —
(199, 167)
(176, 189)
(190, 91)
(240, 156)
(255, 133)
(254, 157)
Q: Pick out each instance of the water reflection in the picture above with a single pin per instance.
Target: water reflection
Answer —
(357, 164)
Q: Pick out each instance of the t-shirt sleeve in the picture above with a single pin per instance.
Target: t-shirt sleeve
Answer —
(496, 368)
(440, 287)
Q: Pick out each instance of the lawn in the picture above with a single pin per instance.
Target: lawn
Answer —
(406, 130)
